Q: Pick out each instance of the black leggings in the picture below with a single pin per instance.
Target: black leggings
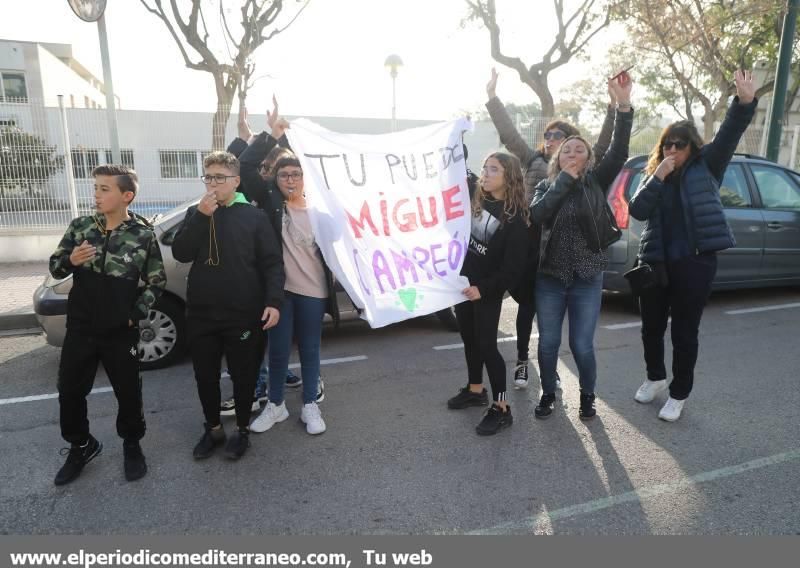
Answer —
(525, 315)
(478, 323)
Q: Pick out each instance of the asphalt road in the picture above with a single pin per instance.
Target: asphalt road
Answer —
(394, 460)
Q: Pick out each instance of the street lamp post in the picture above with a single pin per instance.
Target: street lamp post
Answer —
(94, 11)
(393, 63)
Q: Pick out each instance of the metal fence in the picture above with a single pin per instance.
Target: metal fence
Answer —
(47, 155)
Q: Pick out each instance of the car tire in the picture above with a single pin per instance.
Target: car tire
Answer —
(162, 336)
(448, 319)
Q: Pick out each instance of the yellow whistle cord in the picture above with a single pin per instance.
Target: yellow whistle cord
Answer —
(213, 247)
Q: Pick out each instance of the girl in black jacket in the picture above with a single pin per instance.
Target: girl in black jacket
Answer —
(685, 226)
(494, 262)
(576, 230)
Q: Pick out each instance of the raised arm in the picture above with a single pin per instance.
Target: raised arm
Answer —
(612, 161)
(509, 135)
(718, 152)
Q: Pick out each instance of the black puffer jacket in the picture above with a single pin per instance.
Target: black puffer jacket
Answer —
(592, 211)
(700, 179)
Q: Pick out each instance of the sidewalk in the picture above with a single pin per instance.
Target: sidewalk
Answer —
(18, 281)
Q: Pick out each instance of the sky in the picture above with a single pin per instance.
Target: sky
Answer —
(329, 62)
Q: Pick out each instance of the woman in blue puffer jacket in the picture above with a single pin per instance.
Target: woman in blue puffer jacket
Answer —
(684, 228)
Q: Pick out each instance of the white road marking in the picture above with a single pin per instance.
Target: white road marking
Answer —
(460, 345)
(46, 396)
(763, 309)
(623, 325)
(98, 390)
(530, 523)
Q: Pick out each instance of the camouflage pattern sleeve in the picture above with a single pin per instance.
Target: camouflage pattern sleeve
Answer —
(60, 266)
(155, 281)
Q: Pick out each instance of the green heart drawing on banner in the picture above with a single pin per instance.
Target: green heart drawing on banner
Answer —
(409, 298)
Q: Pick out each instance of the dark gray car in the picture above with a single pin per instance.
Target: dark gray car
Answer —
(762, 205)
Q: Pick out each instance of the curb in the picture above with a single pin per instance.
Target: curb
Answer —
(18, 321)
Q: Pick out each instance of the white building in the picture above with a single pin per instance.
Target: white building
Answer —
(40, 72)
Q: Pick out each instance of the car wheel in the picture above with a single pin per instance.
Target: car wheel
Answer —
(448, 319)
(162, 336)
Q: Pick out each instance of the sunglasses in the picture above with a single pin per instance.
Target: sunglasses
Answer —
(555, 135)
(678, 144)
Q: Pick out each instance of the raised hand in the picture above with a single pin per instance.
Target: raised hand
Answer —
(272, 116)
(208, 203)
(491, 86)
(620, 87)
(744, 86)
(244, 128)
(81, 254)
(279, 127)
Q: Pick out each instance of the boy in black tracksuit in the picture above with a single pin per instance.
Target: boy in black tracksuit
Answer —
(106, 254)
(495, 260)
(234, 290)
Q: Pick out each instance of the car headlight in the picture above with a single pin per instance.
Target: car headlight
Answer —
(61, 287)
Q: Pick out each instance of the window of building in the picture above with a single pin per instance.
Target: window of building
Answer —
(13, 87)
(179, 164)
(84, 160)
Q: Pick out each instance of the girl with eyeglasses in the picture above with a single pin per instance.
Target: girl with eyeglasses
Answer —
(534, 164)
(577, 228)
(308, 294)
(494, 262)
(685, 226)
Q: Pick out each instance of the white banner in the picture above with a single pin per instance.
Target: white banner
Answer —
(390, 213)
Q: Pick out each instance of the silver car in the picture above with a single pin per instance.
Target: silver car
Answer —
(761, 200)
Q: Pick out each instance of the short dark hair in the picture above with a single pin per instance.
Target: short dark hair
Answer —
(285, 162)
(126, 177)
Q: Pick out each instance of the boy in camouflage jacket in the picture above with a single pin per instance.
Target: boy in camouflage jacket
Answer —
(107, 254)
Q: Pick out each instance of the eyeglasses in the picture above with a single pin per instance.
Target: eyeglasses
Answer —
(490, 170)
(678, 144)
(219, 178)
(294, 175)
(554, 135)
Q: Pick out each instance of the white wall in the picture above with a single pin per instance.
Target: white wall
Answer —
(59, 79)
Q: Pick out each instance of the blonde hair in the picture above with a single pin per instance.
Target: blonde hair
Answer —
(554, 167)
(515, 203)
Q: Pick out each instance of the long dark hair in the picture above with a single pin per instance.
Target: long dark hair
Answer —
(681, 130)
(515, 203)
(562, 125)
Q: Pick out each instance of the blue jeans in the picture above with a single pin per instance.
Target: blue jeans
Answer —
(301, 317)
(581, 301)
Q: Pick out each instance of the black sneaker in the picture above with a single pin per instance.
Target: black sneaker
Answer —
(587, 410)
(320, 390)
(135, 466)
(521, 374)
(466, 398)
(210, 440)
(237, 444)
(494, 420)
(293, 381)
(228, 406)
(78, 455)
(545, 407)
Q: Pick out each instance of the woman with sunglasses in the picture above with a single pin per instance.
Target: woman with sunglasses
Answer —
(308, 294)
(534, 164)
(577, 228)
(684, 228)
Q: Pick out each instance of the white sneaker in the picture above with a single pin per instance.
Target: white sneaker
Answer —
(671, 410)
(312, 418)
(649, 389)
(269, 417)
